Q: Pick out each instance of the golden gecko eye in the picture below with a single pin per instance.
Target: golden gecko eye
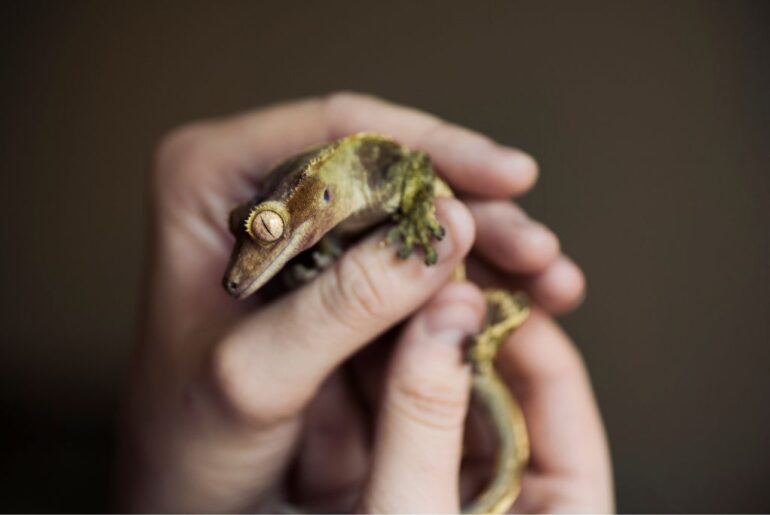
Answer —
(265, 225)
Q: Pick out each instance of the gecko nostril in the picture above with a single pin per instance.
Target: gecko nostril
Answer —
(232, 285)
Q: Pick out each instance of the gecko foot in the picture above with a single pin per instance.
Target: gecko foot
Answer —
(417, 232)
(416, 223)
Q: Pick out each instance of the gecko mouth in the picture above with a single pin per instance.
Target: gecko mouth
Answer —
(290, 249)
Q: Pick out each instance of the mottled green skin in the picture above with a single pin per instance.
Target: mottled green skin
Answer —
(344, 186)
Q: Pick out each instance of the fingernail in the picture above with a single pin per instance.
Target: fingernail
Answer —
(452, 323)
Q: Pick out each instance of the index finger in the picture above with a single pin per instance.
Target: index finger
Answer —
(469, 161)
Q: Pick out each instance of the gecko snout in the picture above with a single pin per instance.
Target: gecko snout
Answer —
(236, 284)
(231, 286)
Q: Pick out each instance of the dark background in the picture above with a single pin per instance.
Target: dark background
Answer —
(650, 121)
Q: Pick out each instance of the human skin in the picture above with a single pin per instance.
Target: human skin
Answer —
(224, 393)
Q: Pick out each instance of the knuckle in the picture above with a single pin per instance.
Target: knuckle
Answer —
(230, 382)
(428, 403)
(246, 394)
(356, 296)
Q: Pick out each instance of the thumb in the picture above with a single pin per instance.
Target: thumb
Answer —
(418, 447)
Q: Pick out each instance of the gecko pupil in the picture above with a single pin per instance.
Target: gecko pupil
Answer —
(326, 196)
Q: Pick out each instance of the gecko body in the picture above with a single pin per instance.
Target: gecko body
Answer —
(343, 187)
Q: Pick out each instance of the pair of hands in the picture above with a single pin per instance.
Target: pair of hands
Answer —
(224, 393)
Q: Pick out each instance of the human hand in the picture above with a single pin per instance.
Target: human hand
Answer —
(220, 388)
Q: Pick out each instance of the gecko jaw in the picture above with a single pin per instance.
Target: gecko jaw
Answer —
(292, 247)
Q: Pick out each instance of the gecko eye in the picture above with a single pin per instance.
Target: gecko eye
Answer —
(266, 225)
(327, 197)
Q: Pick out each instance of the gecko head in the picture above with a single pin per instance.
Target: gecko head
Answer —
(271, 232)
(264, 236)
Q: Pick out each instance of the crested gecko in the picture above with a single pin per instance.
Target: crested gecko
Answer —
(346, 187)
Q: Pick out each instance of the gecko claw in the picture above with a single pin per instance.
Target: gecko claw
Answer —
(431, 257)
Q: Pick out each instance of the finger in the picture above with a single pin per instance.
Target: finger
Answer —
(272, 363)
(509, 239)
(234, 151)
(334, 434)
(468, 160)
(567, 438)
(418, 445)
(557, 289)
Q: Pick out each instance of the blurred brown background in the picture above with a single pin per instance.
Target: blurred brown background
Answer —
(650, 122)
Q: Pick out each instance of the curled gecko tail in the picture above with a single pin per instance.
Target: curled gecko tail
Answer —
(506, 311)
(504, 415)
